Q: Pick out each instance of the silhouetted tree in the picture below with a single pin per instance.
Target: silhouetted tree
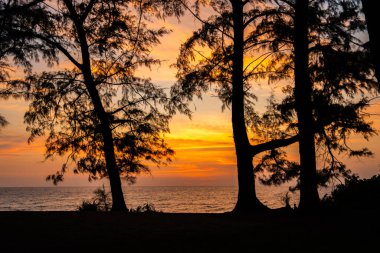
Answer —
(370, 11)
(230, 35)
(356, 194)
(333, 86)
(309, 198)
(100, 114)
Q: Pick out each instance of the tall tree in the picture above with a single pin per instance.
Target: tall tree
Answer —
(370, 11)
(309, 198)
(334, 88)
(100, 114)
(231, 37)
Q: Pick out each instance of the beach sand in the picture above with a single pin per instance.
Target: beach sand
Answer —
(167, 232)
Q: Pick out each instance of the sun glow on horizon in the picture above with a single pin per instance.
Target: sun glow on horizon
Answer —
(205, 153)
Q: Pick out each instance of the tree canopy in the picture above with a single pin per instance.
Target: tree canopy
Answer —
(230, 36)
(109, 121)
(98, 113)
(343, 84)
(15, 47)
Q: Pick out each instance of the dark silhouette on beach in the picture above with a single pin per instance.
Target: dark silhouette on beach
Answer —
(110, 122)
(309, 199)
(328, 71)
(231, 82)
(78, 109)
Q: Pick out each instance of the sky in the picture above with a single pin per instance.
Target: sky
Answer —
(204, 146)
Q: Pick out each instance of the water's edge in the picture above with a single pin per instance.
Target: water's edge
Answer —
(174, 199)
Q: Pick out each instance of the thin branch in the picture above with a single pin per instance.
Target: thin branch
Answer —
(87, 10)
(204, 22)
(60, 48)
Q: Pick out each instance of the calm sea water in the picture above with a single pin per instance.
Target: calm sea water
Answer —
(205, 199)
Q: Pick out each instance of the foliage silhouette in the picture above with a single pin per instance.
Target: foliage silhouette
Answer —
(103, 117)
(355, 194)
(286, 200)
(110, 122)
(341, 89)
(145, 208)
(101, 202)
(88, 206)
(231, 34)
(15, 45)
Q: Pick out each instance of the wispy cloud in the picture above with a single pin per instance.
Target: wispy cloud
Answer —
(16, 145)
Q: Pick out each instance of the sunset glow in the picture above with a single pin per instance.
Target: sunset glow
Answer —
(204, 145)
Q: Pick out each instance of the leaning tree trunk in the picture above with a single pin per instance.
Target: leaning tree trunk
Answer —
(309, 199)
(370, 11)
(247, 200)
(118, 202)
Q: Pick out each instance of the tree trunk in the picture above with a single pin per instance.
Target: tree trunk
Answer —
(309, 199)
(370, 11)
(247, 200)
(118, 203)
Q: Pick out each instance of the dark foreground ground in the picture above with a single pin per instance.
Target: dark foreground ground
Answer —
(110, 232)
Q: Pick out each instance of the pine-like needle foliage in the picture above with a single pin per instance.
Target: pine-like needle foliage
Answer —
(15, 47)
(226, 57)
(106, 42)
(343, 85)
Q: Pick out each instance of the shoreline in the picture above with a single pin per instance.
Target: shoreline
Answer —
(187, 232)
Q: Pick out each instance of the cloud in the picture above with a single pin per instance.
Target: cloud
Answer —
(191, 144)
(11, 145)
(5, 146)
(13, 138)
(16, 145)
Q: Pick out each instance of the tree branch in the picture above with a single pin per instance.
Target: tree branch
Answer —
(59, 47)
(87, 10)
(256, 149)
(204, 22)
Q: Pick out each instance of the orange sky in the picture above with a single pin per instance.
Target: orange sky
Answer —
(204, 146)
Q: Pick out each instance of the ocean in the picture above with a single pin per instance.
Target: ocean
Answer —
(175, 199)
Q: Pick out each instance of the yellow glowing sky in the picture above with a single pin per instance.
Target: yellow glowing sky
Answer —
(204, 146)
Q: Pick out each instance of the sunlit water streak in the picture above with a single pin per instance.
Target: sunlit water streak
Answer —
(181, 199)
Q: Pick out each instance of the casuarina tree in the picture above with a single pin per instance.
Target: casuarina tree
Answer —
(303, 104)
(332, 89)
(108, 121)
(229, 36)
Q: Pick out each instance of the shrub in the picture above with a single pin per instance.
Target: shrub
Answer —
(88, 206)
(101, 202)
(286, 200)
(355, 194)
(145, 208)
